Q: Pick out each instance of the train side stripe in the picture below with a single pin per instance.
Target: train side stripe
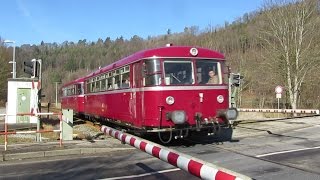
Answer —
(160, 88)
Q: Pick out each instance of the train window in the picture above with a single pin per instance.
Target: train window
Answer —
(97, 86)
(225, 73)
(154, 79)
(127, 69)
(78, 89)
(109, 83)
(178, 72)
(125, 80)
(103, 84)
(92, 87)
(116, 82)
(203, 69)
(88, 87)
(152, 72)
(152, 66)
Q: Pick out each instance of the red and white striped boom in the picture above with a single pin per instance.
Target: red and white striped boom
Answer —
(194, 166)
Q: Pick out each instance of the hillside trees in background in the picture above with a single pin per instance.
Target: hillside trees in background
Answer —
(291, 40)
(4, 71)
(252, 45)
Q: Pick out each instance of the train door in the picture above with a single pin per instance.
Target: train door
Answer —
(136, 100)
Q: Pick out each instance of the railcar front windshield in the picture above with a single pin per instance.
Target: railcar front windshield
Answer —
(208, 72)
(178, 72)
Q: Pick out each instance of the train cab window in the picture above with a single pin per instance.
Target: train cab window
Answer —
(178, 72)
(225, 73)
(152, 72)
(208, 72)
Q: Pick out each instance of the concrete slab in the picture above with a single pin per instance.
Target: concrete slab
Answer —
(62, 152)
(19, 156)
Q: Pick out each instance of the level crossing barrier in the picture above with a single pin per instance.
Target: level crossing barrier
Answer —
(6, 132)
(194, 166)
(298, 111)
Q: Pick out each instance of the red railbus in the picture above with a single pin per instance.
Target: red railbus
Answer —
(73, 96)
(167, 90)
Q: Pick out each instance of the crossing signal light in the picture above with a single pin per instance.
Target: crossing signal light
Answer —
(31, 68)
(236, 79)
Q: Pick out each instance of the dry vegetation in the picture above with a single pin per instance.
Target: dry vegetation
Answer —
(276, 45)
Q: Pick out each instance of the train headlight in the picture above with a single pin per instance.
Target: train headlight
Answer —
(220, 99)
(194, 51)
(169, 100)
(178, 117)
(232, 114)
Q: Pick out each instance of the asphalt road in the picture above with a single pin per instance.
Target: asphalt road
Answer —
(130, 164)
(275, 150)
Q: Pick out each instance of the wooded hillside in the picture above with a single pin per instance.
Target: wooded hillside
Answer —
(277, 45)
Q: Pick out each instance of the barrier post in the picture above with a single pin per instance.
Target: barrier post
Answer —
(61, 129)
(67, 124)
(38, 135)
(5, 131)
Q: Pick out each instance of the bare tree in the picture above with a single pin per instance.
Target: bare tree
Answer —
(289, 33)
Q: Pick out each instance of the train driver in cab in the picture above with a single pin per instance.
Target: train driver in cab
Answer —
(213, 78)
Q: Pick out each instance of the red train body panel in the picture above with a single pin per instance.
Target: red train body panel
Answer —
(162, 89)
(73, 96)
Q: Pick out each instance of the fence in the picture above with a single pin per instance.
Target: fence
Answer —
(6, 132)
(298, 111)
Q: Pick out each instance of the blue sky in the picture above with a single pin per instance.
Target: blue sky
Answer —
(31, 21)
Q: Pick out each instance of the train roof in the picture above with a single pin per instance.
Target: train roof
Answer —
(79, 80)
(162, 52)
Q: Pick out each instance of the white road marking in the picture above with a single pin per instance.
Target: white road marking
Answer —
(288, 151)
(303, 129)
(142, 175)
